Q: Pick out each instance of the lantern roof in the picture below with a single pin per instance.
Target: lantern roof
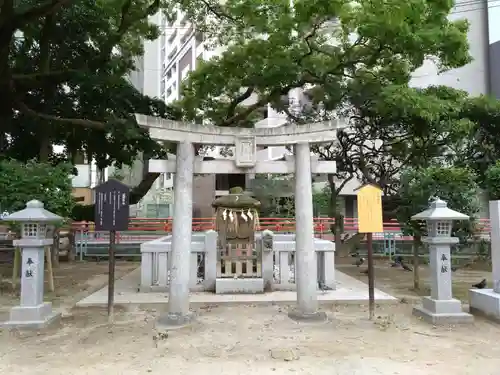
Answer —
(438, 210)
(34, 212)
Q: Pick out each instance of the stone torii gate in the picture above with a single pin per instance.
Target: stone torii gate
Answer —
(246, 141)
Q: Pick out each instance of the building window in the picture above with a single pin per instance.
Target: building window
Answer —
(161, 181)
(162, 86)
(157, 210)
(172, 36)
(185, 72)
(163, 54)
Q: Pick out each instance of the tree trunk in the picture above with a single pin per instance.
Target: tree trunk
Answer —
(338, 226)
(48, 88)
(55, 249)
(417, 243)
(71, 245)
(45, 148)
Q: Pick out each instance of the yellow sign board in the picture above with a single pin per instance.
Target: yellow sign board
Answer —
(370, 209)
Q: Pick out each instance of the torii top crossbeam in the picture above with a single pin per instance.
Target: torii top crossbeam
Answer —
(176, 131)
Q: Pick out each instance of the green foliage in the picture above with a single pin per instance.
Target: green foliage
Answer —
(63, 74)
(492, 181)
(354, 61)
(73, 92)
(481, 147)
(335, 46)
(416, 127)
(20, 183)
(275, 194)
(456, 186)
(321, 202)
(117, 175)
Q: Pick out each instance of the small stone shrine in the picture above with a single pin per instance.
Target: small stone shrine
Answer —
(239, 260)
(35, 223)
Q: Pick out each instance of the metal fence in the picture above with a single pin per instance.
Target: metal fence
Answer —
(390, 243)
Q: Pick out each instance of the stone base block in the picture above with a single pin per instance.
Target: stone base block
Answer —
(300, 316)
(35, 317)
(239, 286)
(442, 312)
(485, 302)
(172, 321)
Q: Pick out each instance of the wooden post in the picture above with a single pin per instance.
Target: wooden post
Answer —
(111, 275)
(49, 268)
(55, 249)
(371, 276)
(111, 214)
(16, 266)
(369, 222)
(71, 245)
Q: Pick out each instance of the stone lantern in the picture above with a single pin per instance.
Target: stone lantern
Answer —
(440, 306)
(35, 223)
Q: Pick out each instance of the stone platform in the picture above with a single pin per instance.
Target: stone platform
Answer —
(348, 291)
(485, 302)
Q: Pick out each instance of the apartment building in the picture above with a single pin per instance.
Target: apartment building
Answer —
(180, 48)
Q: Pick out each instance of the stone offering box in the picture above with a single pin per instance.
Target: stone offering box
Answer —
(278, 264)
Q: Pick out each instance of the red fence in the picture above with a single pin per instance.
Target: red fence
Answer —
(321, 225)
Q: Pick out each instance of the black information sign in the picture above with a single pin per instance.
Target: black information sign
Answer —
(111, 206)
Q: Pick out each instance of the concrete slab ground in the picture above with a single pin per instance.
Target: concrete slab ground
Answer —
(349, 291)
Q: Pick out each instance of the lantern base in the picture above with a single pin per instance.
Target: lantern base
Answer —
(442, 312)
(36, 317)
(485, 302)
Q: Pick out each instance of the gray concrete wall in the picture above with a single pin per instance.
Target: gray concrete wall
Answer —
(474, 77)
(493, 29)
(203, 195)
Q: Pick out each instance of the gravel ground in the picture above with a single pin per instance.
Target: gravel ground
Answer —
(250, 339)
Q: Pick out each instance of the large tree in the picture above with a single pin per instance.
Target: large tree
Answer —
(457, 186)
(354, 59)
(391, 129)
(63, 69)
(333, 46)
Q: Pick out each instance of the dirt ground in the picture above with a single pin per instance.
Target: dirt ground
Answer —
(249, 339)
(72, 282)
(399, 282)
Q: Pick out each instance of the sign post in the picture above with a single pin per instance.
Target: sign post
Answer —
(369, 222)
(111, 214)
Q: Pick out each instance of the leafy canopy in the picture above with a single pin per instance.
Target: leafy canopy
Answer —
(64, 79)
(332, 46)
(20, 183)
(456, 186)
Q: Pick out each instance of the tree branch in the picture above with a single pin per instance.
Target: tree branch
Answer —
(239, 99)
(275, 92)
(38, 75)
(124, 25)
(49, 7)
(80, 122)
(217, 11)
